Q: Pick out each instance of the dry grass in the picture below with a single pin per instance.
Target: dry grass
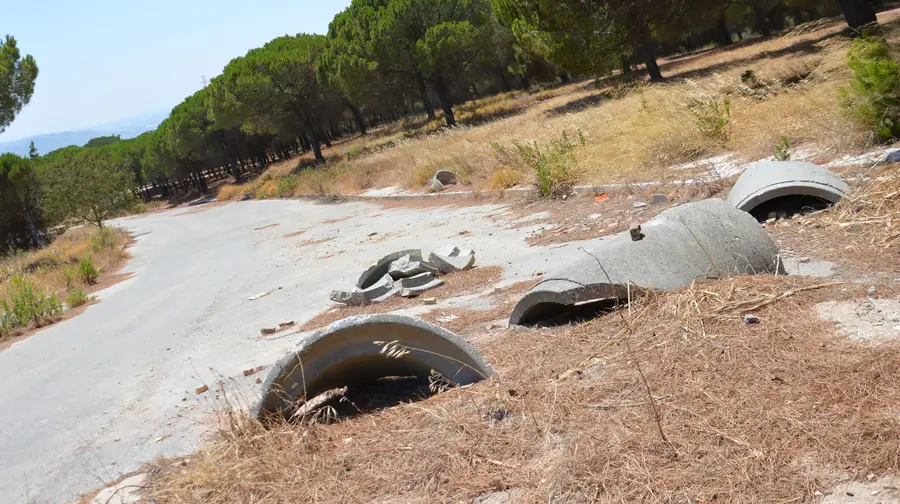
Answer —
(54, 269)
(861, 231)
(633, 132)
(47, 266)
(766, 413)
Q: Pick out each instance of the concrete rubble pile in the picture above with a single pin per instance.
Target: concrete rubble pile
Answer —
(405, 273)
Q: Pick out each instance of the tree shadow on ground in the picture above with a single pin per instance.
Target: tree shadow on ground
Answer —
(578, 105)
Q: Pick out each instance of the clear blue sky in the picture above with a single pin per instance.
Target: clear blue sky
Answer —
(105, 60)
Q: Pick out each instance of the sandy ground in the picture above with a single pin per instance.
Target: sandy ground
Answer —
(91, 398)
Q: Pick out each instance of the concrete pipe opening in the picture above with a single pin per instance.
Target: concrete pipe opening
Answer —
(563, 304)
(789, 206)
(698, 241)
(786, 188)
(375, 353)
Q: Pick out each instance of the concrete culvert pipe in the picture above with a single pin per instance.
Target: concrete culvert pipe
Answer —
(786, 187)
(346, 354)
(706, 239)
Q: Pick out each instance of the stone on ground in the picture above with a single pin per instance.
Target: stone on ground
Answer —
(125, 492)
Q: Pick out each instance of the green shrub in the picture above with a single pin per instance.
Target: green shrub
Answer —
(27, 304)
(70, 276)
(873, 98)
(553, 166)
(87, 271)
(713, 117)
(103, 239)
(287, 185)
(783, 149)
(77, 297)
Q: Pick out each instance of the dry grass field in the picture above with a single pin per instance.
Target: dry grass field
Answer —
(739, 100)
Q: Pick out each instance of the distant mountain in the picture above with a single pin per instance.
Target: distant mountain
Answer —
(126, 128)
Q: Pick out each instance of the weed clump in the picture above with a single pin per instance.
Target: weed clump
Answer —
(77, 297)
(27, 304)
(554, 165)
(87, 271)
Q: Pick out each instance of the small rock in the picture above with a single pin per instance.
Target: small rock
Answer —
(659, 198)
(803, 260)
(373, 234)
(750, 319)
(202, 389)
(116, 440)
(638, 204)
(595, 216)
(429, 301)
(253, 371)
(258, 380)
(871, 291)
(267, 331)
(871, 477)
(285, 325)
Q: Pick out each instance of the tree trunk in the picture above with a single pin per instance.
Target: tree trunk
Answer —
(357, 116)
(762, 22)
(724, 32)
(626, 65)
(313, 139)
(859, 14)
(648, 49)
(564, 77)
(526, 85)
(443, 94)
(426, 101)
(505, 80)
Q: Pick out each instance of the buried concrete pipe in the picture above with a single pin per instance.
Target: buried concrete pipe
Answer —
(348, 353)
(786, 187)
(706, 239)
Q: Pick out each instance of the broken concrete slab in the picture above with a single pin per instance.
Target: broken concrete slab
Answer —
(377, 271)
(406, 267)
(436, 186)
(451, 264)
(417, 291)
(786, 185)
(416, 281)
(706, 239)
(375, 293)
(448, 251)
(658, 199)
(356, 350)
(125, 492)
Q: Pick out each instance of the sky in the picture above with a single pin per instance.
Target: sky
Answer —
(101, 61)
